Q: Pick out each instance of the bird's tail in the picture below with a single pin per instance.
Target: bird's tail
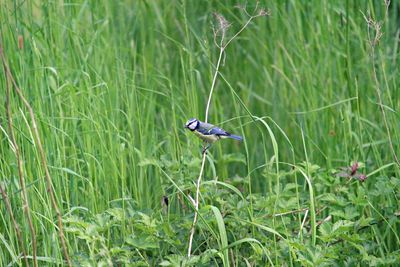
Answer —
(236, 137)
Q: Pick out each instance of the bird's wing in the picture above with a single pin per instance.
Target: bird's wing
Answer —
(206, 125)
(217, 131)
(203, 130)
(209, 129)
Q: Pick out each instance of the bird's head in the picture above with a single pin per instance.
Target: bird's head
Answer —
(192, 124)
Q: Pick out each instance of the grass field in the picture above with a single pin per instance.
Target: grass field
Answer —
(313, 88)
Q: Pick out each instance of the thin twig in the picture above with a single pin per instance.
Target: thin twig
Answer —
(42, 157)
(223, 26)
(373, 39)
(16, 226)
(242, 29)
(289, 212)
(24, 194)
(304, 221)
(221, 52)
(196, 204)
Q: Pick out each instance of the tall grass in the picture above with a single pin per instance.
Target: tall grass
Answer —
(111, 84)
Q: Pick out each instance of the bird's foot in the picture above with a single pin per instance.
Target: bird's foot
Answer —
(205, 148)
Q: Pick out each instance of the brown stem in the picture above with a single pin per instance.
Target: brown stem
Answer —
(16, 226)
(373, 42)
(382, 108)
(42, 157)
(24, 194)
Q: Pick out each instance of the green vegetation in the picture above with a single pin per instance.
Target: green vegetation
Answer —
(313, 88)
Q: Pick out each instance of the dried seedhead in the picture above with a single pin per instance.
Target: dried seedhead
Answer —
(257, 11)
(222, 25)
(374, 29)
(20, 42)
(263, 12)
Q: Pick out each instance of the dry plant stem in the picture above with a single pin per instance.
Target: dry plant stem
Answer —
(24, 193)
(221, 52)
(196, 204)
(42, 157)
(242, 29)
(288, 212)
(382, 108)
(222, 48)
(16, 226)
(373, 41)
(304, 221)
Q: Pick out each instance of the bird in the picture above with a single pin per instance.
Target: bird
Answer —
(209, 133)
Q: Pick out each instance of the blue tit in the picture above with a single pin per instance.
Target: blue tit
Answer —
(208, 133)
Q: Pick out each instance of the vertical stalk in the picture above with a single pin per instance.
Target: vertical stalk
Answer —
(42, 157)
(16, 226)
(204, 154)
(374, 38)
(24, 194)
(222, 46)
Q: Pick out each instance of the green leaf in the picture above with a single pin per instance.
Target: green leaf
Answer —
(222, 234)
(143, 242)
(165, 263)
(342, 226)
(325, 229)
(117, 213)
